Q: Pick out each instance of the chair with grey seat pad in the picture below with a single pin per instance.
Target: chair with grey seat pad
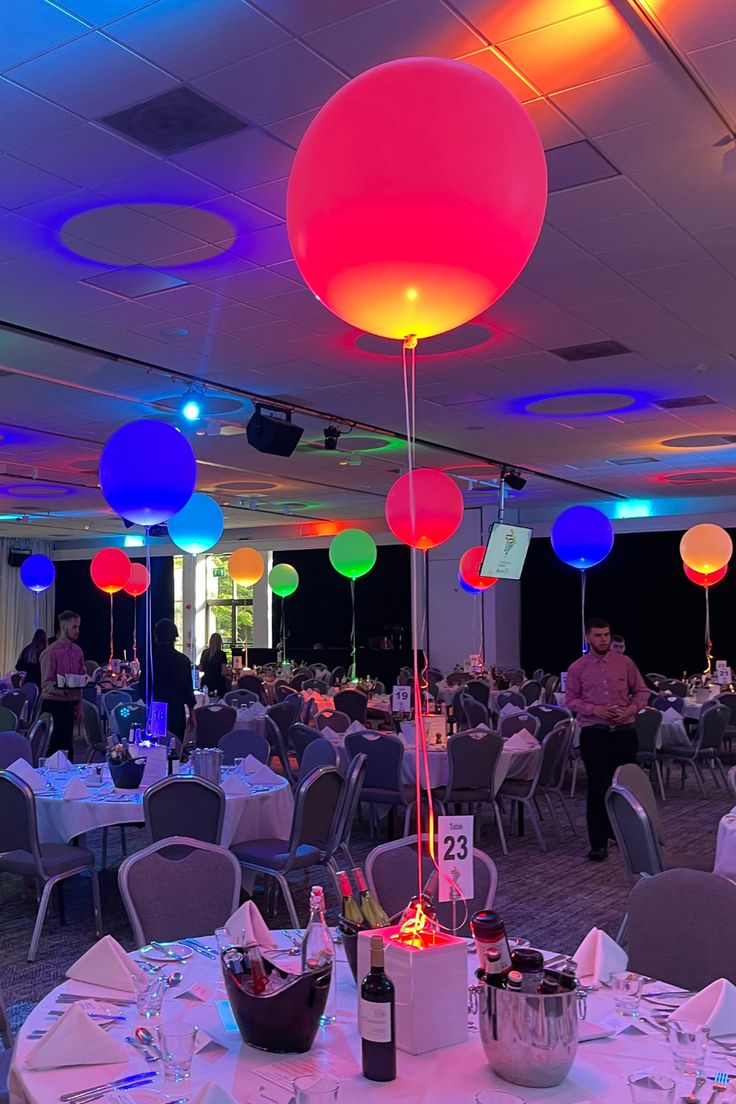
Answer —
(705, 750)
(240, 743)
(353, 785)
(124, 716)
(254, 684)
(472, 758)
(14, 745)
(352, 702)
(179, 806)
(211, 722)
(474, 712)
(548, 716)
(332, 718)
(318, 753)
(510, 697)
(382, 784)
(39, 736)
(300, 736)
(518, 722)
(240, 699)
(93, 737)
(648, 723)
(523, 791)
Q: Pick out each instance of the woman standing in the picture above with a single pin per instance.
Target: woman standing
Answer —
(213, 665)
(29, 659)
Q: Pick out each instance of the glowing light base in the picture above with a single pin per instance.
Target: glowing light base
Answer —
(431, 982)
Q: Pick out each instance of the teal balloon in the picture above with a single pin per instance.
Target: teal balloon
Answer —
(198, 526)
(353, 553)
(283, 580)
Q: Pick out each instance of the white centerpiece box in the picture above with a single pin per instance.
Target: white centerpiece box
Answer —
(431, 985)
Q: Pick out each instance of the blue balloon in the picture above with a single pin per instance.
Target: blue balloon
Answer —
(147, 471)
(466, 586)
(197, 527)
(582, 536)
(37, 573)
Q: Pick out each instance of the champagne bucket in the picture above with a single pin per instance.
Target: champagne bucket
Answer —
(207, 763)
(529, 1038)
(283, 1020)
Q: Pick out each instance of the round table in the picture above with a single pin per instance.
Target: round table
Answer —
(725, 863)
(449, 1076)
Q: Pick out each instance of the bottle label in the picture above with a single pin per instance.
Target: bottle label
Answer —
(374, 1021)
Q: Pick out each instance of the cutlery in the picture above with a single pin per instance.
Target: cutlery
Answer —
(141, 1049)
(672, 993)
(118, 1082)
(70, 998)
(167, 951)
(692, 1097)
(174, 979)
(57, 1012)
(199, 948)
(145, 1036)
(719, 1085)
(149, 967)
(151, 1077)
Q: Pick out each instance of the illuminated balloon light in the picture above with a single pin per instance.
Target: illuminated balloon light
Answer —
(437, 508)
(246, 566)
(353, 553)
(582, 536)
(708, 580)
(469, 569)
(37, 573)
(416, 197)
(110, 570)
(283, 580)
(139, 580)
(198, 526)
(147, 471)
(466, 586)
(706, 548)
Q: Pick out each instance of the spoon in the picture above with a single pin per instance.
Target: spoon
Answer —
(174, 979)
(141, 1049)
(143, 1035)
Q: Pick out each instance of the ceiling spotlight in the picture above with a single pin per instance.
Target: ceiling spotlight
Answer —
(331, 435)
(191, 410)
(514, 479)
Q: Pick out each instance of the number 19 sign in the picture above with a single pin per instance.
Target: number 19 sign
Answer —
(455, 856)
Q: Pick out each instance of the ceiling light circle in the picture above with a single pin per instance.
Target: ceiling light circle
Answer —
(580, 403)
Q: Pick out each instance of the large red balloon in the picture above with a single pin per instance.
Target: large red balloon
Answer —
(469, 568)
(138, 581)
(435, 513)
(706, 579)
(416, 197)
(110, 569)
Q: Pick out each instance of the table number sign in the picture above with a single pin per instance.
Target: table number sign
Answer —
(455, 856)
(563, 681)
(724, 675)
(401, 699)
(157, 720)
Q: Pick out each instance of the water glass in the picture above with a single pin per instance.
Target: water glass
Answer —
(42, 765)
(626, 988)
(493, 1096)
(149, 993)
(177, 1050)
(650, 1088)
(239, 765)
(315, 1090)
(688, 1042)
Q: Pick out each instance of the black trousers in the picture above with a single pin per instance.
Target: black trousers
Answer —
(63, 713)
(603, 750)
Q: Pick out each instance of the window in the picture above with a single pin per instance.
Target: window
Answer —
(228, 605)
(179, 595)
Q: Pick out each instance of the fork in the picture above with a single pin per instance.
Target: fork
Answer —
(719, 1085)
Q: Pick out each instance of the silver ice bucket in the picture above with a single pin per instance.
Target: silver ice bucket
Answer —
(207, 763)
(529, 1038)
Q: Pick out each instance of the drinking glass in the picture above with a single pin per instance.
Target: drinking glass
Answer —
(688, 1042)
(227, 938)
(239, 766)
(315, 1090)
(42, 765)
(494, 1096)
(177, 1050)
(626, 988)
(649, 1088)
(149, 993)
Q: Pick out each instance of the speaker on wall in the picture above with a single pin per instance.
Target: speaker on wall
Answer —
(18, 556)
(276, 436)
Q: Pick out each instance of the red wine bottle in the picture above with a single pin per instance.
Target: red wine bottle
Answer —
(377, 1020)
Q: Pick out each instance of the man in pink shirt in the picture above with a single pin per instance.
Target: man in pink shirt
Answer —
(605, 691)
(63, 657)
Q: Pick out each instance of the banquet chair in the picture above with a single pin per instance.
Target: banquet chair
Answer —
(456, 718)
(45, 863)
(481, 691)
(17, 678)
(474, 712)
(548, 716)
(179, 887)
(16, 701)
(729, 700)
(472, 758)
(33, 697)
(282, 690)
(312, 840)
(351, 800)
(508, 726)
(176, 805)
(337, 675)
(674, 686)
(523, 792)
(391, 874)
(510, 697)
(279, 719)
(706, 749)
(111, 698)
(382, 784)
(550, 685)
(6, 1055)
(8, 720)
(731, 780)
(300, 736)
(124, 715)
(663, 702)
(14, 745)
(454, 679)
(254, 684)
(93, 737)
(332, 718)
(39, 736)
(675, 957)
(299, 678)
(317, 684)
(531, 692)
(352, 702)
(212, 722)
(648, 723)
(308, 712)
(240, 743)
(556, 783)
(318, 753)
(239, 699)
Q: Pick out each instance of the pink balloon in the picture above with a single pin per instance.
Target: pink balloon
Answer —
(435, 514)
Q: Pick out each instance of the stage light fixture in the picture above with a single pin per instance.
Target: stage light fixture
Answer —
(332, 433)
(514, 479)
(191, 410)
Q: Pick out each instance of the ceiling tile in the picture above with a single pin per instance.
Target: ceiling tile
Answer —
(239, 161)
(264, 247)
(21, 184)
(695, 25)
(673, 249)
(231, 316)
(588, 291)
(134, 282)
(86, 155)
(628, 229)
(293, 129)
(625, 99)
(721, 244)
(232, 216)
(270, 196)
(147, 240)
(250, 286)
(26, 118)
(99, 12)
(502, 19)
(32, 28)
(127, 315)
(623, 317)
(718, 65)
(162, 183)
(493, 63)
(706, 209)
(554, 129)
(662, 142)
(600, 199)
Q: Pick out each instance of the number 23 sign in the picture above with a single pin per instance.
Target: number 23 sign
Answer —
(455, 856)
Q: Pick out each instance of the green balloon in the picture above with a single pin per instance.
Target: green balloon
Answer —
(283, 580)
(353, 553)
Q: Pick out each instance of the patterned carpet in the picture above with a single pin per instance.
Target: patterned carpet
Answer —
(553, 899)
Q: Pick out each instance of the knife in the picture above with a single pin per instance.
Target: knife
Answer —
(165, 950)
(120, 1081)
(199, 948)
(115, 1088)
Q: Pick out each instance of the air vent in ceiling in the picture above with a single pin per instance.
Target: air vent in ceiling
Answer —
(590, 350)
(175, 121)
(686, 400)
(575, 164)
(626, 460)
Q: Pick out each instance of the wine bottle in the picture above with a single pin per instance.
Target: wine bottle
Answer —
(350, 909)
(318, 951)
(377, 1019)
(258, 975)
(372, 910)
(495, 973)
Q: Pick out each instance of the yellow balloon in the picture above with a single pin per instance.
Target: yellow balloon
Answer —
(245, 566)
(706, 548)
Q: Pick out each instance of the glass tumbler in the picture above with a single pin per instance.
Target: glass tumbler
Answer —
(149, 993)
(649, 1088)
(177, 1044)
(688, 1042)
(496, 1096)
(626, 988)
(315, 1090)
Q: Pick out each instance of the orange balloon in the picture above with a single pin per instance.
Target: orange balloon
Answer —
(706, 548)
(246, 566)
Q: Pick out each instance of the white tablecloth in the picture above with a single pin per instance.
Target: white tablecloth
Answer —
(725, 863)
(252, 718)
(448, 1076)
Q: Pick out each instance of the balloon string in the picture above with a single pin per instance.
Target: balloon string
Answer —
(112, 645)
(354, 668)
(582, 609)
(283, 630)
(148, 631)
(135, 627)
(35, 616)
(708, 643)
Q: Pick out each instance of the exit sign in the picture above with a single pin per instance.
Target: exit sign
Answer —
(218, 572)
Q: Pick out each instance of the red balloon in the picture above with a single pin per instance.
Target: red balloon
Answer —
(469, 568)
(110, 569)
(139, 580)
(705, 579)
(437, 508)
(416, 197)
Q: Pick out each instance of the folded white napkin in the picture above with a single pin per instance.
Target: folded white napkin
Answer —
(21, 769)
(212, 1093)
(714, 1006)
(521, 741)
(332, 736)
(75, 790)
(509, 710)
(75, 1040)
(59, 761)
(264, 776)
(598, 956)
(250, 764)
(255, 709)
(356, 726)
(235, 785)
(106, 964)
(248, 920)
(671, 715)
